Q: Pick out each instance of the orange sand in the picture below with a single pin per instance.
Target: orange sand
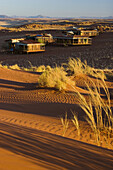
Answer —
(31, 130)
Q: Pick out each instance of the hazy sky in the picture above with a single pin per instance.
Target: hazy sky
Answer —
(57, 8)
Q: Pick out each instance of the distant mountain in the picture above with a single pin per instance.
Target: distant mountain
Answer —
(110, 17)
(38, 16)
(85, 17)
(4, 16)
(15, 16)
(41, 16)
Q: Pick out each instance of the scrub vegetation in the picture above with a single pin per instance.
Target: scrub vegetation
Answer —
(97, 108)
(98, 113)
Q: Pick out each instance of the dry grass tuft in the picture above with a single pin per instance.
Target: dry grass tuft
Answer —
(15, 67)
(65, 124)
(76, 66)
(55, 78)
(76, 122)
(98, 112)
(40, 69)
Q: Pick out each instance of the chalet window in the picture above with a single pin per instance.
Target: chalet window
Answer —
(82, 41)
(42, 47)
(21, 47)
(71, 41)
(35, 47)
(85, 40)
(29, 47)
(89, 41)
(65, 41)
(76, 41)
(59, 40)
(25, 47)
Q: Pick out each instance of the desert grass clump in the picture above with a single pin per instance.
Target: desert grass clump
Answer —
(76, 67)
(55, 78)
(76, 122)
(40, 69)
(98, 112)
(3, 66)
(65, 124)
(14, 67)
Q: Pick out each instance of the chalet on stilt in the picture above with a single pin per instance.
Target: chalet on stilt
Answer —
(90, 32)
(27, 46)
(10, 43)
(41, 38)
(73, 40)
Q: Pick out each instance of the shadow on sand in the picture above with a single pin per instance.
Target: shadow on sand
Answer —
(52, 151)
(17, 85)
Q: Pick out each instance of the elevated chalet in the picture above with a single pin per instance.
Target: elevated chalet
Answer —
(27, 46)
(73, 40)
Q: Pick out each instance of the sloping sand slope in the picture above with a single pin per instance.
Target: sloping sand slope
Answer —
(34, 148)
(31, 130)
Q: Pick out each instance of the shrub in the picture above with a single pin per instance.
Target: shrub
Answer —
(55, 78)
(15, 67)
(40, 68)
(4, 66)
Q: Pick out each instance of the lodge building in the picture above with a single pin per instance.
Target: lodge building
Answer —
(27, 46)
(73, 40)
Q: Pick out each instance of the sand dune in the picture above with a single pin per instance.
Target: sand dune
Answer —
(31, 130)
(36, 149)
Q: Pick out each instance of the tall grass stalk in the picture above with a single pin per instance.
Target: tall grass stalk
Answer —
(65, 124)
(76, 123)
(98, 111)
(76, 66)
